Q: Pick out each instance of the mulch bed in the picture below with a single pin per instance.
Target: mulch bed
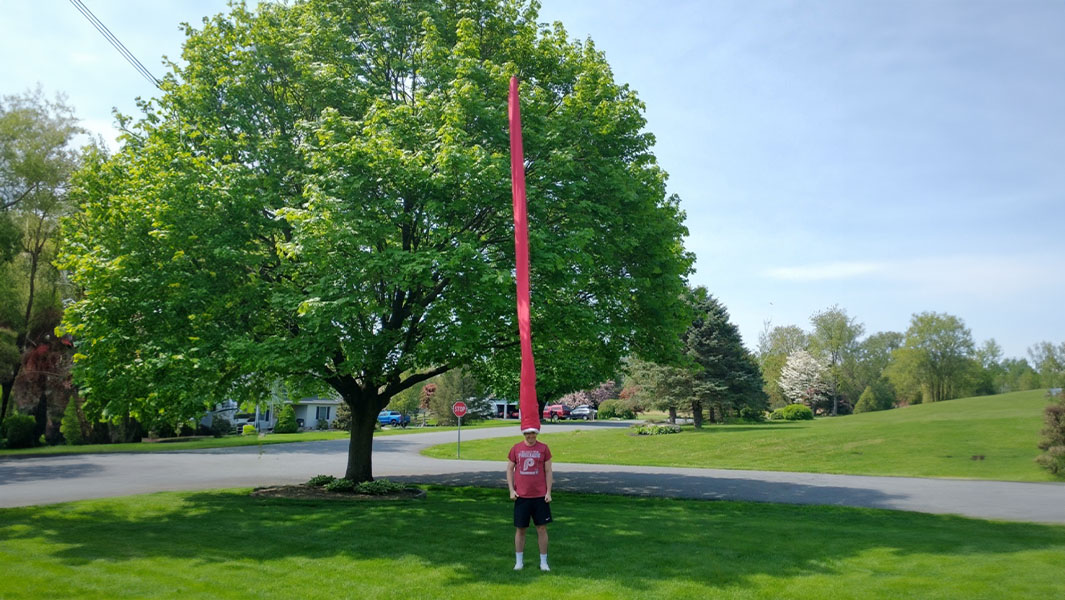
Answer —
(313, 492)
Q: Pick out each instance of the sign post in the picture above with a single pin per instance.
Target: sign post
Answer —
(459, 408)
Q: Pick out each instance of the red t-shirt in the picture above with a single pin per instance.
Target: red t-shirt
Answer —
(530, 478)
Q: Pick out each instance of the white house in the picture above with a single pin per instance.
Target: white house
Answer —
(309, 411)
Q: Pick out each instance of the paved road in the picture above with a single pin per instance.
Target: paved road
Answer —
(45, 480)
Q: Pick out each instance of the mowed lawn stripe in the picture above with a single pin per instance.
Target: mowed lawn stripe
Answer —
(989, 437)
(457, 543)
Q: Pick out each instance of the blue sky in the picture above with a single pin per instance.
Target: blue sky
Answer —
(889, 157)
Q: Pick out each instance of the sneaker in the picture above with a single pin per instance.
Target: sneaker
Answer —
(544, 567)
(518, 566)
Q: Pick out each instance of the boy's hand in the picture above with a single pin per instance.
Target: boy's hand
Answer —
(513, 495)
(547, 498)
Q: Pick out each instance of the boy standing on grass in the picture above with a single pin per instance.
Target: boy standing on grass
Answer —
(529, 479)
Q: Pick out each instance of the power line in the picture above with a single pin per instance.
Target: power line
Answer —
(110, 37)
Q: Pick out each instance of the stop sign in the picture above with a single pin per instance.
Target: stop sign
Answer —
(459, 408)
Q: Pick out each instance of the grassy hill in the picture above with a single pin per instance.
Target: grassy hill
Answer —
(988, 437)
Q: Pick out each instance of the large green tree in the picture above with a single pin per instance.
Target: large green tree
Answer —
(322, 195)
(775, 344)
(727, 376)
(936, 356)
(716, 373)
(38, 153)
(835, 341)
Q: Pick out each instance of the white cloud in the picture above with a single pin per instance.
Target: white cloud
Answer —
(981, 276)
(824, 271)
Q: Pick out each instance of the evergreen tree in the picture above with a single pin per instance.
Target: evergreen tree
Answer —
(727, 375)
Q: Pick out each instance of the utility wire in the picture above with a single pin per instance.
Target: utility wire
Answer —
(110, 37)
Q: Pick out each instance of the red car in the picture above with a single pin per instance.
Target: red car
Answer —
(554, 412)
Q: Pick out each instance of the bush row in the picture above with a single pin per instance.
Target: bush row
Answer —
(656, 429)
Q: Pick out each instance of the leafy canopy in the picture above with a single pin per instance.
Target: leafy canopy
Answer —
(322, 195)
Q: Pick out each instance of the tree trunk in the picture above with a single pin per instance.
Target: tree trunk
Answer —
(672, 415)
(697, 415)
(7, 384)
(364, 409)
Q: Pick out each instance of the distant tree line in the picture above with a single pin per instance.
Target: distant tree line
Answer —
(835, 370)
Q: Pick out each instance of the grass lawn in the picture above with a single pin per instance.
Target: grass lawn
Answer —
(230, 441)
(927, 440)
(457, 543)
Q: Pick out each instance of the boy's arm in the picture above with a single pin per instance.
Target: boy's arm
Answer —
(550, 480)
(510, 480)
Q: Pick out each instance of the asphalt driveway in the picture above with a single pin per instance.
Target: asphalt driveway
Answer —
(46, 480)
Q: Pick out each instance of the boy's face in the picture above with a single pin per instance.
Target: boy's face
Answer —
(530, 438)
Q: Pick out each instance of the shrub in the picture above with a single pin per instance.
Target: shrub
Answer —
(18, 429)
(320, 480)
(1053, 442)
(656, 429)
(340, 485)
(323, 424)
(343, 418)
(379, 487)
(220, 426)
(793, 412)
(248, 429)
(71, 424)
(619, 409)
(752, 415)
(286, 420)
(867, 401)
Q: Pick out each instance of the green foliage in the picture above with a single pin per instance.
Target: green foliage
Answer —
(616, 409)
(1049, 361)
(322, 191)
(774, 346)
(752, 415)
(248, 429)
(286, 420)
(867, 402)
(451, 387)
(220, 426)
(323, 424)
(71, 426)
(379, 487)
(656, 429)
(343, 418)
(835, 341)
(19, 430)
(935, 360)
(1053, 439)
(793, 412)
(340, 485)
(321, 480)
(37, 155)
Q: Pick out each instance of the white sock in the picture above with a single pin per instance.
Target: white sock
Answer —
(543, 559)
(519, 558)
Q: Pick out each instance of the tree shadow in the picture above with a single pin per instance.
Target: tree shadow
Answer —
(21, 472)
(468, 532)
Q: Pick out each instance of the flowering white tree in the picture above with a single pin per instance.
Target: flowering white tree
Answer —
(804, 379)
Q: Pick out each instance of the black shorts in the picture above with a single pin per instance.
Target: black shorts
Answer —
(537, 508)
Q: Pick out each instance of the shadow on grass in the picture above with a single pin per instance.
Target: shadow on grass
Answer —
(467, 534)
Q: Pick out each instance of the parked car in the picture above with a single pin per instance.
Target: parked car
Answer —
(393, 418)
(583, 412)
(240, 420)
(554, 412)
